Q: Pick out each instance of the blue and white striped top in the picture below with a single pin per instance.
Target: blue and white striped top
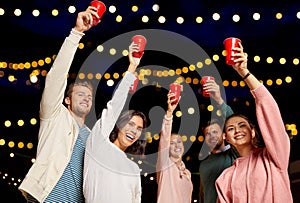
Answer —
(69, 186)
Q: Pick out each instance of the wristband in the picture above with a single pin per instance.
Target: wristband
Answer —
(246, 76)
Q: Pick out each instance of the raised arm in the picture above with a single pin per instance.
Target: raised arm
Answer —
(268, 114)
(115, 106)
(214, 89)
(165, 134)
(56, 80)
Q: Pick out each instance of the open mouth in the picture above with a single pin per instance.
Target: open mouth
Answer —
(130, 137)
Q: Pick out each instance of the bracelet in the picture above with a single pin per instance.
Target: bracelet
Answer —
(246, 76)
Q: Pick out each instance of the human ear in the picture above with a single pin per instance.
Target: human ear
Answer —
(68, 100)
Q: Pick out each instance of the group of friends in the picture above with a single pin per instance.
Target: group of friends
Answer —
(78, 164)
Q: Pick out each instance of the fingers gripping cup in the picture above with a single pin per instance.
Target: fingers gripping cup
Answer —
(133, 87)
(203, 81)
(176, 89)
(230, 43)
(101, 8)
(141, 41)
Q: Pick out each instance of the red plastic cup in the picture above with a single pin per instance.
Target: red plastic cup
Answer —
(230, 43)
(133, 87)
(203, 81)
(101, 8)
(176, 89)
(141, 41)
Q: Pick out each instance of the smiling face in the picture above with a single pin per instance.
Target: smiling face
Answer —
(176, 147)
(80, 101)
(214, 136)
(130, 133)
(239, 132)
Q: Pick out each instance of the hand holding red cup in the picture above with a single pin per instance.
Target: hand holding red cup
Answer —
(176, 89)
(101, 8)
(141, 41)
(229, 43)
(203, 81)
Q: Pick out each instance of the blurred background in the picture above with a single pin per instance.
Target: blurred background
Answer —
(33, 31)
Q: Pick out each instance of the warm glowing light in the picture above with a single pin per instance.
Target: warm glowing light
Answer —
(33, 79)
(161, 19)
(256, 58)
(112, 51)
(11, 144)
(180, 20)
(178, 114)
(81, 76)
(225, 83)
(29, 145)
(100, 48)
(55, 12)
(288, 79)
(112, 9)
(269, 60)
(90, 76)
(279, 81)
(199, 65)
(17, 12)
(155, 7)
(215, 57)
(20, 122)
(199, 19)
(256, 16)
(282, 60)
(236, 18)
(80, 45)
(35, 12)
(188, 80)
(145, 19)
(207, 61)
(216, 16)
(296, 61)
(210, 107)
(269, 82)
(193, 138)
(156, 136)
(234, 83)
(134, 8)
(110, 82)
(184, 138)
(21, 145)
(2, 11)
(191, 110)
(72, 9)
(278, 15)
(98, 76)
(2, 142)
(201, 138)
(119, 18)
(185, 70)
(7, 123)
(11, 78)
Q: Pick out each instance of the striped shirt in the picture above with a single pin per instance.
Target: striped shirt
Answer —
(69, 186)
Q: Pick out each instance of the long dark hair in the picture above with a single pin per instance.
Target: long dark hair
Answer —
(257, 141)
(139, 146)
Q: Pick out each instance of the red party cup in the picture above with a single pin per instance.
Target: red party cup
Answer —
(133, 87)
(230, 43)
(101, 8)
(203, 81)
(141, 41)
(176, 89)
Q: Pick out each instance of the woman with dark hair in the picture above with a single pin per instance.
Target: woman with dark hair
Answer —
(260, 174)
(109, 175)
(136, 148)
